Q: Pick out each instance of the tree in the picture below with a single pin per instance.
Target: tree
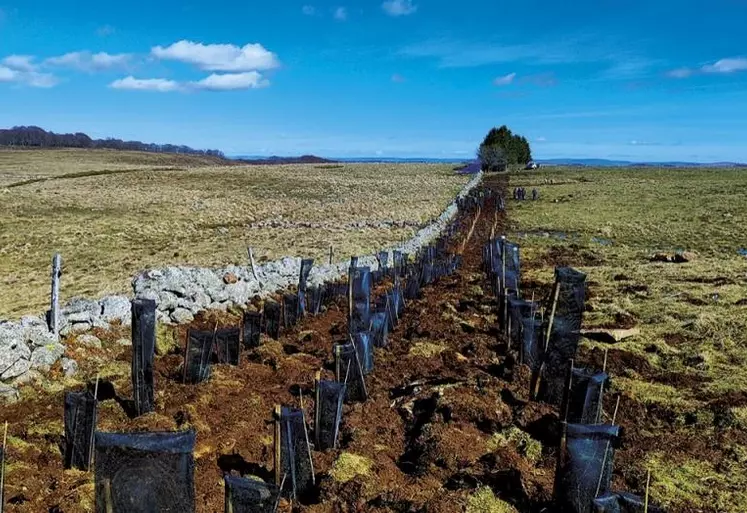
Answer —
(492, 157)
(515, 148)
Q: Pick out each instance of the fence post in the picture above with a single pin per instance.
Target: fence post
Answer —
(54, 309)
(254, 266)
(143, 350)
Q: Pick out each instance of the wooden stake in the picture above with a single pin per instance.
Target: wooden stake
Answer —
(95, 412)
(108, 502)
(254, 266)
(278, 461)
(331, 253)
(317, 408)
(54, 311)
(2, 470)
(306, 434)
(604, 365)
(556, 294)
(606, 450)
(648, 485)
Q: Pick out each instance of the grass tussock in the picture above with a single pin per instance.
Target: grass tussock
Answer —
(485, 501)
(349, 465)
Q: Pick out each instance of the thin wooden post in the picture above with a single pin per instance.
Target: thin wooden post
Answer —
(95, 414)
(54, 309)
(317, 409)
(306, 434)
(278, 461)
(2, 469)
(606, 450)
(254, 266)
(330, 254)
(648, 485)
(108, 502)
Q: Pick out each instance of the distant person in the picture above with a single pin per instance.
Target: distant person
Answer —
(535, 194)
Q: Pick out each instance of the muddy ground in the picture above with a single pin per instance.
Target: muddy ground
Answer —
(448, 412)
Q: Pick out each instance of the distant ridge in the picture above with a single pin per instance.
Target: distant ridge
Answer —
(274, 160)
(627, 163)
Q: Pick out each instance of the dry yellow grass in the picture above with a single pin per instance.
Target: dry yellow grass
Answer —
(110, 225)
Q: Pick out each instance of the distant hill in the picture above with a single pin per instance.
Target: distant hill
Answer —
(274, 160)
(35, 137)
(627, 163)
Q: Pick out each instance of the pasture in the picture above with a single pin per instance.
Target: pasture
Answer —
(111, 214)
(682, 381)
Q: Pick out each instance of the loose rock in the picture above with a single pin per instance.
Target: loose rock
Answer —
(69, 367)
(44, 357)
(90, 341)
(182, 316)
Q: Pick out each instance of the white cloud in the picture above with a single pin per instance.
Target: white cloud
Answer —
(541, 139)
(21, 70)
(680, 73)
(505, 80)
(232, 81)
(87, 61)
(341, 14)
(219, 57)
(20, 62)
(730, 65)
(399, 7)
(161, 85)
(7, 74)
(398, 78)
(308, 10)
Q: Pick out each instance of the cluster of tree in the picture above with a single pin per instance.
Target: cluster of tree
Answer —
(33, 136)
(501, 148)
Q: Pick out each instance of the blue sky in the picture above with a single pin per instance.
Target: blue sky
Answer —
(639, 80)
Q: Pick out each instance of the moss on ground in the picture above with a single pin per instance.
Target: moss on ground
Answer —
(349, 465)
(427, 349)
(519, 440)
(485, 501)
(167, 339)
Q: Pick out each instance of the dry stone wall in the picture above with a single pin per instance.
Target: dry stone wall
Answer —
(27, 348)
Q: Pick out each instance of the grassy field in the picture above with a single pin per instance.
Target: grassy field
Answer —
(111, 214)
(683, 381)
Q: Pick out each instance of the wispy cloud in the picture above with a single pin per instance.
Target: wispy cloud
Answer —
(540, 139)
(459, 54)
(219, 57)
(160, 85)
(399, 7)
(87, 61)
(721, 66)
(308, 10)
(397, 78)
(730, 65)
(232, 82)
(547, 79)
(20, 62)
(105, 30)
(340, 14)
(505, 80)
(626, 67)
(680, 73)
